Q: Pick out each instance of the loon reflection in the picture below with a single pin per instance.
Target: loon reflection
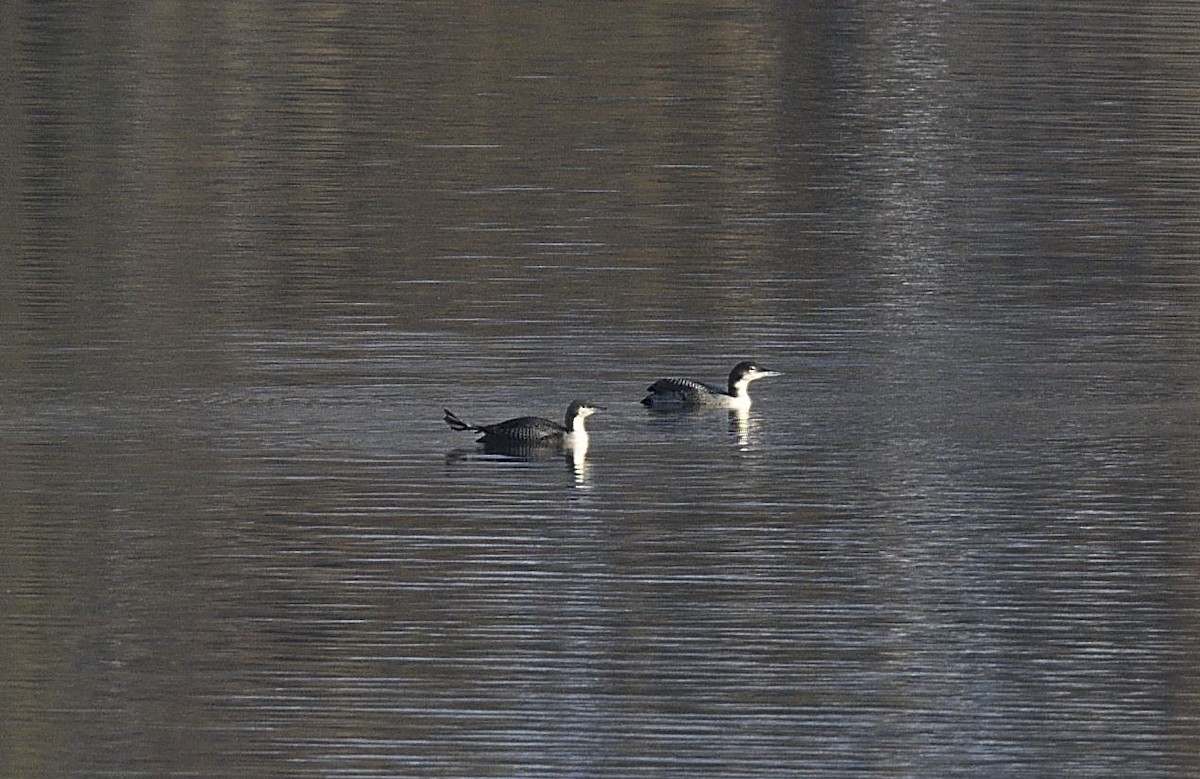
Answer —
(675, 393)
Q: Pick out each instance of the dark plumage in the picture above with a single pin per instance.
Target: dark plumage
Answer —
(686, 393)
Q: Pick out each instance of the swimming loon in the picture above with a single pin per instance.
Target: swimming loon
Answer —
(532, 432)
(686, 393)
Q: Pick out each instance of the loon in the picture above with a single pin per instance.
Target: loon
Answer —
(532, 432)
(686, 393)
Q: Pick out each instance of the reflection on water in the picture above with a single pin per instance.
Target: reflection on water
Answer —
(574, 457)
(745, 428)
(254, 255)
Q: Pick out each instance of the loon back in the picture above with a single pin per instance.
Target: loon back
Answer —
(684, 393)
(523, 430)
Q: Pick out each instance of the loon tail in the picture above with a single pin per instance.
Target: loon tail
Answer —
(457, 424)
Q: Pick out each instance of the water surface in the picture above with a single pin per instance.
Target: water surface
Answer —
(254, 255)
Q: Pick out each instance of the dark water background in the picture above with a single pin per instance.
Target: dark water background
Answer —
(251, 252)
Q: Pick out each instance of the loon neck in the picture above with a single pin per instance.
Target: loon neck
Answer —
(576, 427)
(739, 395)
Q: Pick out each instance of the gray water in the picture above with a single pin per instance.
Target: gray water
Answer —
(254, 252)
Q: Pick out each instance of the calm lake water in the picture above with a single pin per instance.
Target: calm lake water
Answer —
(254, 252)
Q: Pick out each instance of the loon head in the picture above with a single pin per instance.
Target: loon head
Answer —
(581, 410)
(745, 372)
